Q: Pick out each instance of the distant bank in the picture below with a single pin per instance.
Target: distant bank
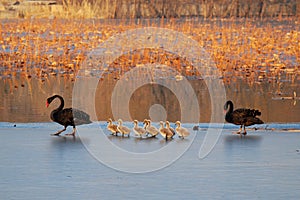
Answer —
(148, 8)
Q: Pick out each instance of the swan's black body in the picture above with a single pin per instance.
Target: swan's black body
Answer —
(68, 116)
(241, 116)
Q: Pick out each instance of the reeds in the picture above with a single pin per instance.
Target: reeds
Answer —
(246, 50)
(133, 9)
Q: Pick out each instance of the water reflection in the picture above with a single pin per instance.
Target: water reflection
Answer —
(27, 103)
(249, 139)
(136, 144)
(65, 140)
(242, 149)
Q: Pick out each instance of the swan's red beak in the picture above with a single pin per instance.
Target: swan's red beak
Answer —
(47, 104)
(225, 112)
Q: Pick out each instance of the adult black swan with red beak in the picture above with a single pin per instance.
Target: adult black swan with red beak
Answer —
(241, 116)
(68, 116)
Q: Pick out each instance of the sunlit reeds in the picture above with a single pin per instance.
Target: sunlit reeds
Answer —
(256, 53)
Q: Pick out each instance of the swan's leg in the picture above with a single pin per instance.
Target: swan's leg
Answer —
(239, 131)
(245, 132)
(59, 132)
(73, 132)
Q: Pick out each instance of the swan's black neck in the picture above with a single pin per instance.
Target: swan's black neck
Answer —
(230, 105)
(228, 116)
(62, 102)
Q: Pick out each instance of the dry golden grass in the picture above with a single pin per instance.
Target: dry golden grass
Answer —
(86, 9)
(65, 9)
(42, 48)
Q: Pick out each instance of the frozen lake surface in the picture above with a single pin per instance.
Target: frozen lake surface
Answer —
(263, 165)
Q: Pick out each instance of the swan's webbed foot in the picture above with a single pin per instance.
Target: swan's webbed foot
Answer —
(58, 133)
(244, 133)
(239, 131)
(55, 134)
(71, 134)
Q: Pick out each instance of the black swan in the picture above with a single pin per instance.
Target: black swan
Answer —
(68, 116)
(241, 116)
